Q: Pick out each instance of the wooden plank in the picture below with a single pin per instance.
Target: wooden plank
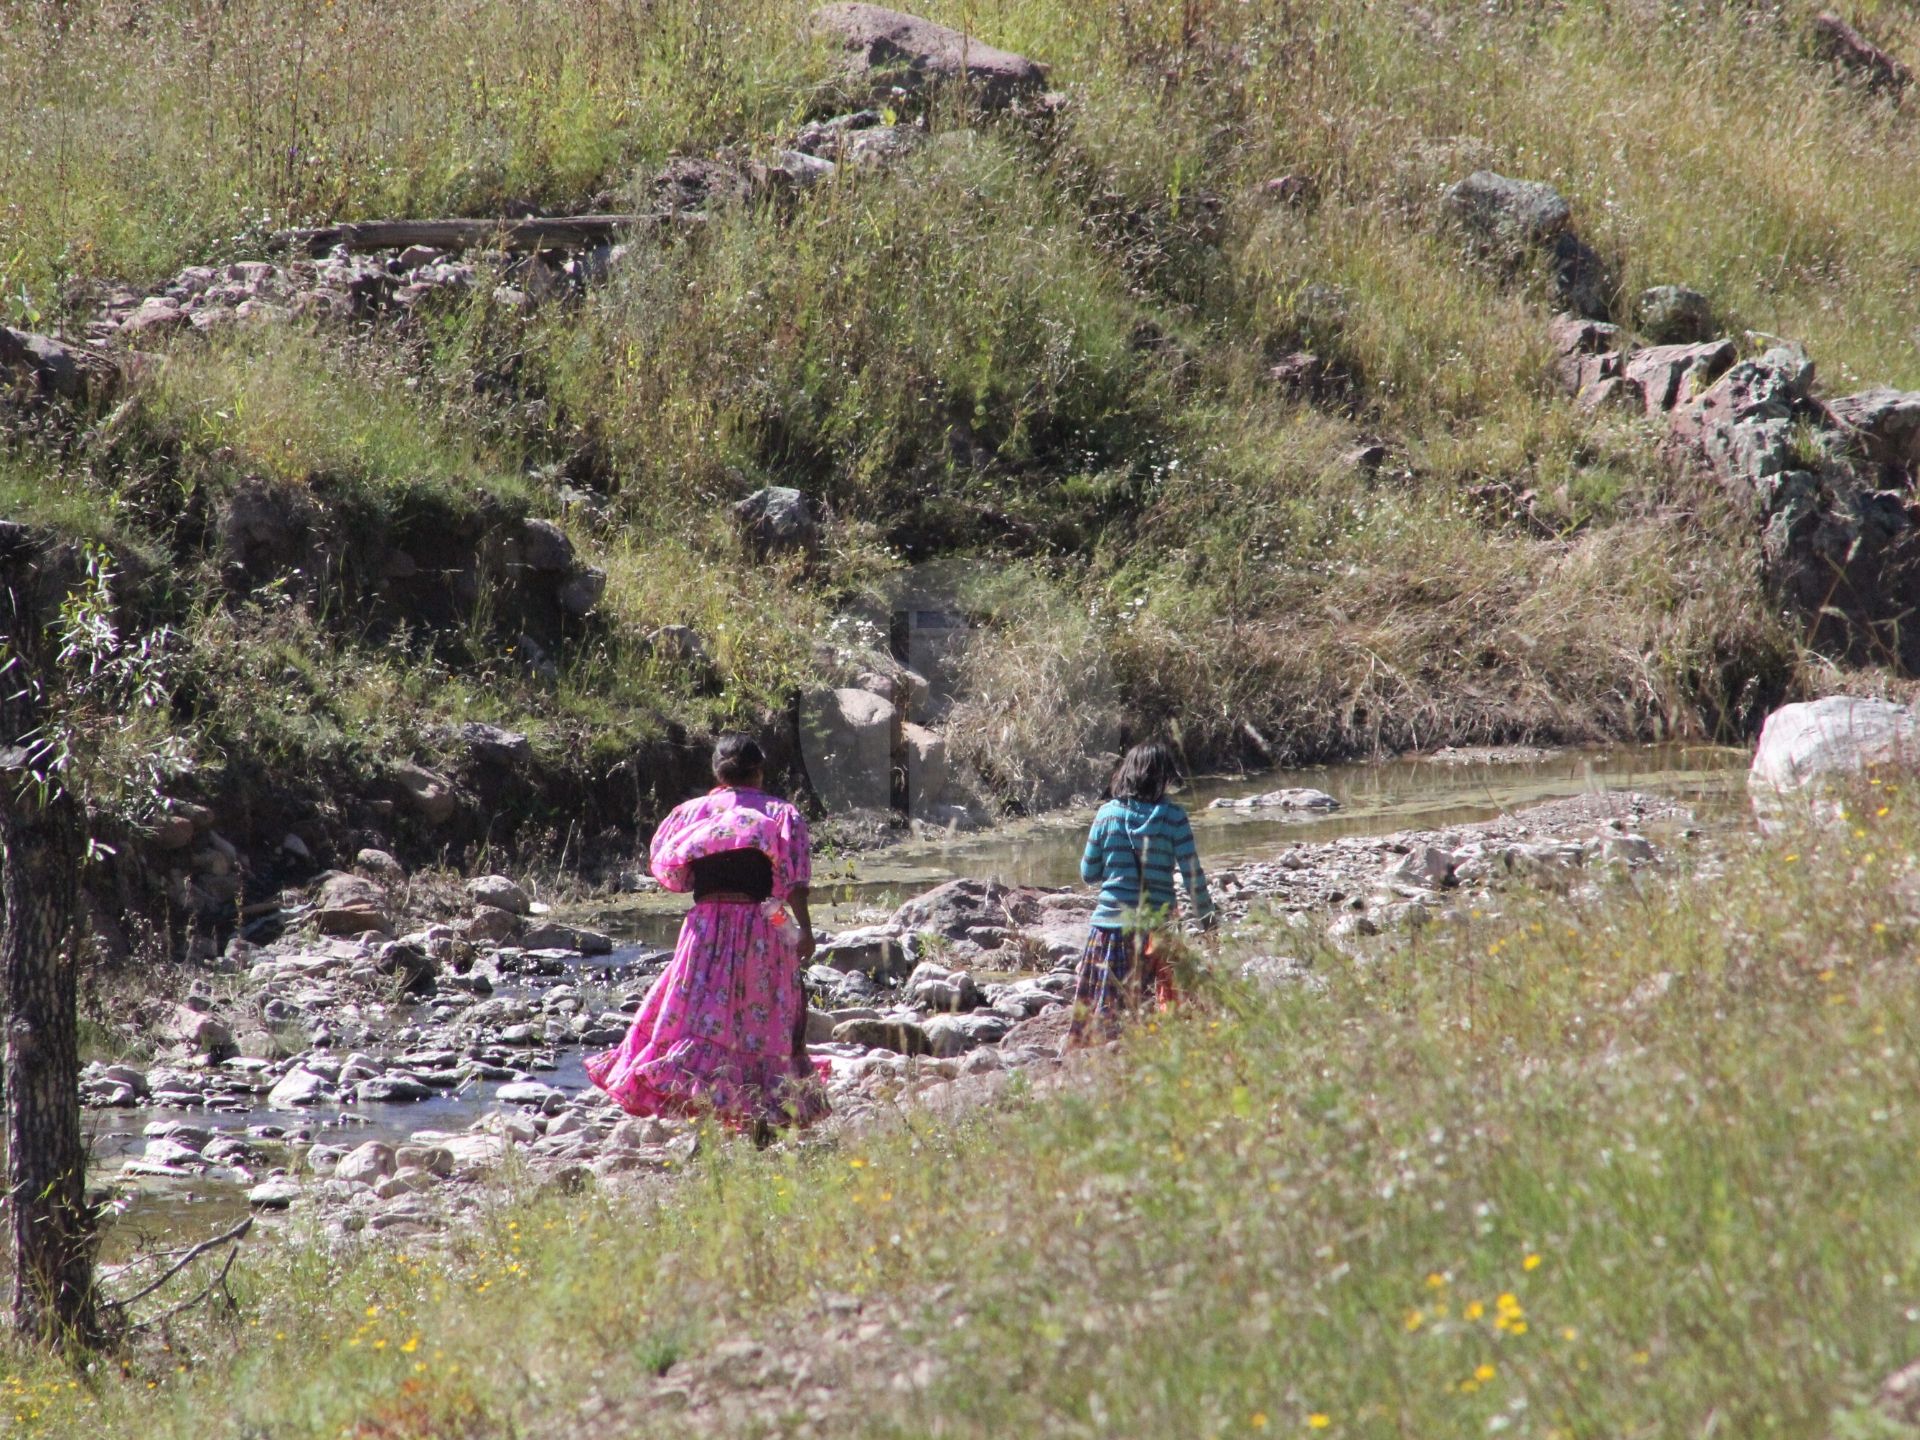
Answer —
(561, 232)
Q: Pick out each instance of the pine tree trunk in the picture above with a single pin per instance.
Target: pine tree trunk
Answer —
(52, 1231)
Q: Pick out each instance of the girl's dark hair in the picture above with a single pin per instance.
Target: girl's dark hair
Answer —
(736, 759)
(1145, 773)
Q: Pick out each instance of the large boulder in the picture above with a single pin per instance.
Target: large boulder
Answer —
(896, 49)
(1809, 753)
(350, 905)
(846, 741)
(949, 1036)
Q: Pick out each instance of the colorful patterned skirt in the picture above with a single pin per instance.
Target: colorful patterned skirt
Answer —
(715, 1035)
(1121, 973)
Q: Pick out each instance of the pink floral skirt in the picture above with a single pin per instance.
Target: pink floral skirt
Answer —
(715, 1034)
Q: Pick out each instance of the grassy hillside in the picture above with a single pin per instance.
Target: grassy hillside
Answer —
(1639, 1164)
(1042, 345)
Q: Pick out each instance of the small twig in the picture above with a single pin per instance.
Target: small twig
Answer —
(233, 1237)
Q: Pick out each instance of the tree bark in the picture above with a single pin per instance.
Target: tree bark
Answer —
(50, 1228)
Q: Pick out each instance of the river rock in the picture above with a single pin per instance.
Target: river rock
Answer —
(819, 1026)
(403, 1182)
(299, 1089)
(392, 1090)
(956, 909)
(846, 741)
(875, 951)
(904, 51)
(1426, 866)
(1809, 752)
(169, 1151)
(366, 1165)
(279, 1193)
(499, 892)
(350, 905)
(949, 1036)
(933, 987)
(1317, 801)
(901, 1036)
(532, 1093)
(490, 926)
(551, 935)
(429, 794)
(379, 865)
(433, 1159)
(201, 1033)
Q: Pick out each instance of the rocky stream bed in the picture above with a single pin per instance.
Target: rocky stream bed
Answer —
(370, 1071)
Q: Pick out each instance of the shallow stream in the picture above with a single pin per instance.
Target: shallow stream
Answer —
(1414, 793)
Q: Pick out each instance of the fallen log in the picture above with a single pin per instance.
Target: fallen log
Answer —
(560, 232)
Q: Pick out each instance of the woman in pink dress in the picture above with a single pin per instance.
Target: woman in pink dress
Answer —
(723, 1031)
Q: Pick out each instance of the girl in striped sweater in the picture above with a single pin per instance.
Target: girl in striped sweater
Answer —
(1138, 840)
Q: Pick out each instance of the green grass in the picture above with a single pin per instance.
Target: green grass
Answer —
(1668, 1124)
(1038, 347)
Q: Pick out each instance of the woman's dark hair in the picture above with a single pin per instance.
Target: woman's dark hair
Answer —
(737, 759)
(1145, 773)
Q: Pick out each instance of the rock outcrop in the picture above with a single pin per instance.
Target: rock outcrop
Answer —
(1837, 534)
(903, 51)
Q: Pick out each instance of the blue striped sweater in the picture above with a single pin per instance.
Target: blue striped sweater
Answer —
(1132, 840)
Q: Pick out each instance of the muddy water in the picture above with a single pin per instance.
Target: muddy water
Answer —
(1418, 793)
